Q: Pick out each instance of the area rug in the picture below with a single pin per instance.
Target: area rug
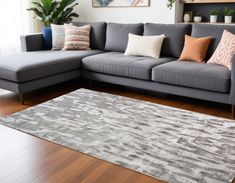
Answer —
(173, 145)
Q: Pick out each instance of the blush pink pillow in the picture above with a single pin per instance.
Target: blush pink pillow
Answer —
(223, 54)
(77, 38)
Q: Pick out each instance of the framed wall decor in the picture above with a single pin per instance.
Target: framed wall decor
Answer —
(120, 3)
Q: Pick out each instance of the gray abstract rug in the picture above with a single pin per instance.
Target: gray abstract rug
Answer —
(174, 145)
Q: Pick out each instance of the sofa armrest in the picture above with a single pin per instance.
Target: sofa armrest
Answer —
(232, 91)
(32, 42)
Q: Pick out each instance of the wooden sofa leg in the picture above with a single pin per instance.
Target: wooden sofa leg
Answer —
(233, 111)
(21, 95)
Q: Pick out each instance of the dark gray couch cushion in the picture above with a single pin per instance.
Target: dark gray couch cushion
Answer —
(174, 42)
(195, 75)
(98, 33)
(117, 35)
(116, 63)
(28, 66)
(215, 31)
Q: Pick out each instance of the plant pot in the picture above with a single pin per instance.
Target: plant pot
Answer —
(47, 38)
(228, 19)
(197, 19)
(213, 18)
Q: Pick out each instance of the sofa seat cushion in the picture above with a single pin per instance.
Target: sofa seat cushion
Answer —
(116, 63)
(195, 75)
(29, 66)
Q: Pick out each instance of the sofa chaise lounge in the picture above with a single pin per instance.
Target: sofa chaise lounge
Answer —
(37, 68)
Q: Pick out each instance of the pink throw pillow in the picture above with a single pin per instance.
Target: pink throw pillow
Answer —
(77, 38)
(223, 54)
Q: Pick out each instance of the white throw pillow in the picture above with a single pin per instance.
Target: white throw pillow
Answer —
(58, 36)
(149, 46)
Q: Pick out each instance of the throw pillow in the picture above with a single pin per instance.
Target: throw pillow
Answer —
(149, 46)
(58, 36)
(195, 49)
(77, 38)
(223, 54)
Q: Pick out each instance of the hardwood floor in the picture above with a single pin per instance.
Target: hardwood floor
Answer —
(24, 158)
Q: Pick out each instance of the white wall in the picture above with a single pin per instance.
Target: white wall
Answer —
(157, 12)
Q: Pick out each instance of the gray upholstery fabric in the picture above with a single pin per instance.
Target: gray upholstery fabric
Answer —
(174, 42)
(116, 63)
(159, 87)
(196, 75)
(117, 35)
(35, 65)
(215, 31)
(40, 83)
(97, 35)
(232, 91)
(33, 42)
(49, 81)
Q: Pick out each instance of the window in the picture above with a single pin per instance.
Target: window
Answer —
(15, 20)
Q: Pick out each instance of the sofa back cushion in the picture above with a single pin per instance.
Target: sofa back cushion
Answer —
(215, 31)
(117, 35)
(97, 34)
(174, 36)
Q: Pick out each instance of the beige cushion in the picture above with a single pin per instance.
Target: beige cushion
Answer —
(77, 38)
(58, 36)
(223, 54)
(149, 46)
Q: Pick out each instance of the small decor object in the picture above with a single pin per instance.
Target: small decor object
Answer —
(149, 46)
(77, 38)
(228, 15)
(214, 15)
(52, 11)
(118, 3)
(223, 54)
(197, 19)
(195, 49)
(190, 14)
(187, 17)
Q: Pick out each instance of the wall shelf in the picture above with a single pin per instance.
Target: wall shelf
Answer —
(217, 23)
(206, 1)
(203, 8)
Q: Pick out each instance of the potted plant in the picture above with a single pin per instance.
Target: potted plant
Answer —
(170, 3)
(197, 18)
(228, 15)
(53, 11)
(214, 15)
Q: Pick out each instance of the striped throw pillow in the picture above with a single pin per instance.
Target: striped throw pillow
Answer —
(77, 38)
(223, 54)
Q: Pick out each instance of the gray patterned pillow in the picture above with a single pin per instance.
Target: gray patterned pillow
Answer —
(58, 36)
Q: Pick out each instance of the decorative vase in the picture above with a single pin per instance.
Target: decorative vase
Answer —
(47, 37)
(186, 17)
(213, 18)
(228, 19)
(197, 19)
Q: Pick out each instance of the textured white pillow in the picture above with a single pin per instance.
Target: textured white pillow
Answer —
(58, 36)
(149, 46)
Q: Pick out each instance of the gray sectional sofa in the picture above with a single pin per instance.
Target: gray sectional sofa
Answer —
(36, 68)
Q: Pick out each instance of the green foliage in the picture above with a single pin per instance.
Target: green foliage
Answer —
(170, 3)
(52, 11)
(228, 11)
(214, 11)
